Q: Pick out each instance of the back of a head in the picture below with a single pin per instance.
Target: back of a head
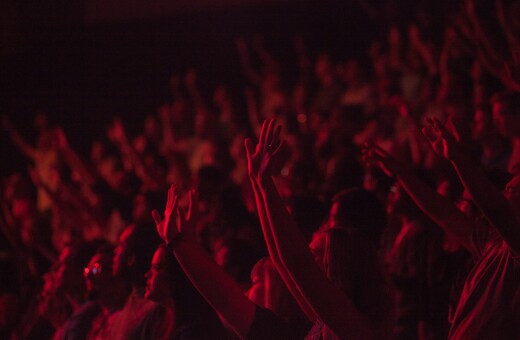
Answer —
(273, 293)
(360, 209)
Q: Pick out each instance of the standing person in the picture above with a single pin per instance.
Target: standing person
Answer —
(337, 282)
(487, 308)
(139, 318)
(260, 314)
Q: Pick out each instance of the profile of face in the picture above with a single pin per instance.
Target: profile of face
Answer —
(157, 278)
(98, 274)
(506, 122)
(122, 256)
(512, 193)
(67, 272)
(267, 288)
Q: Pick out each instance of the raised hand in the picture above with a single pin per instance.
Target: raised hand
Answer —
(263, 159)
(167, 227)
(373, 155)
(116, 131)
(177, 223)
(442, 141)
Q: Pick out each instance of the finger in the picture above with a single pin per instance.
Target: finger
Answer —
(263, 133)
(269, 134)
(248, 143)
(173, 199)
(441, 128)
(193, 205)
(376, 149)
(429, 134)
(158, 225)
(279, 148)
(156, 217)
(169, 201)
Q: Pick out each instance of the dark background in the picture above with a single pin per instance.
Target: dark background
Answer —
(82, 62)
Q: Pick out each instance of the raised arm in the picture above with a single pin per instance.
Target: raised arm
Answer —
(17, 138)
(490, 200)
(216, 286)
(245, 62)
(440, 209)
(254, 156)
(329, 303)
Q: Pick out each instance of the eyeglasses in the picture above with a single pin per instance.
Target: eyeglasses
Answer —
(511, 190)
(92, 271)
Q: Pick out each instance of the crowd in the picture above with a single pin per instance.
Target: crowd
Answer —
(370, 197)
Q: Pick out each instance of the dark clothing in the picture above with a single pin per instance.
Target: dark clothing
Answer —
(268, 326)
(487, 309)
(79, 324)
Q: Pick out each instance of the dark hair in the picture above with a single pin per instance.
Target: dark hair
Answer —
(360, 209)
(141, 243)
(186, 297)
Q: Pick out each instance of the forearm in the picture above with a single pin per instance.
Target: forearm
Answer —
(21, 143)
(216, 286)
(273, 253)
(437, 207)
(291, 246)
(77, 164)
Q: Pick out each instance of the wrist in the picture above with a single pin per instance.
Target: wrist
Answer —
(172, 244)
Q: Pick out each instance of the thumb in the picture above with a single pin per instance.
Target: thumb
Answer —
(156, 217)
(183, 219)
(248, 143)
(158, 223)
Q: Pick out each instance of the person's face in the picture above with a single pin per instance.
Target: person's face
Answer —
(512, 192)
(318, 246)
(98, 274)
(157, 280)
(334, 214)
(121, 253)
(67, 272)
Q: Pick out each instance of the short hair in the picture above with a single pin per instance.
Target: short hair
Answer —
(360, 209)
(511, 99)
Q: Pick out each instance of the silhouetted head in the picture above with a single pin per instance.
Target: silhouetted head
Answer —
(133, 254)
